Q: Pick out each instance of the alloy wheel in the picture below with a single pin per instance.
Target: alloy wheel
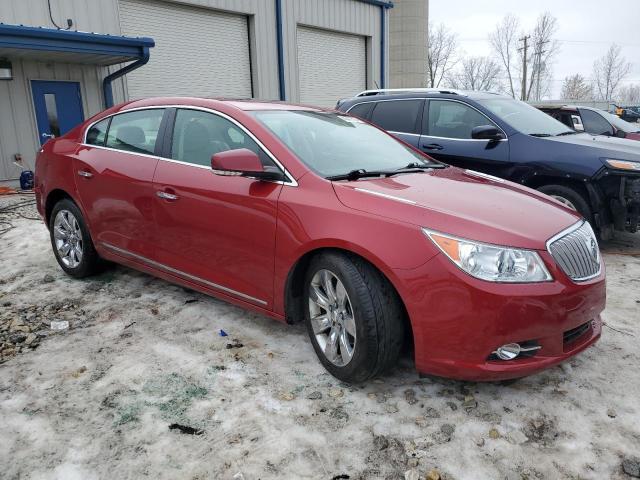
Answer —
(566, 202)
(332, 318)
(68, 240)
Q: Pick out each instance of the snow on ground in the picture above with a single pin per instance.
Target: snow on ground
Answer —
(96, 401)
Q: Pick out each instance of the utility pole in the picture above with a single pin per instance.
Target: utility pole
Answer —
(525, 41)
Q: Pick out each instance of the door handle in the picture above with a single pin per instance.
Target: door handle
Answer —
(167, 196)
(85, 174)
(432, 146)
(48, 135)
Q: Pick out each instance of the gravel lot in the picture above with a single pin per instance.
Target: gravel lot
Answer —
(97, 400)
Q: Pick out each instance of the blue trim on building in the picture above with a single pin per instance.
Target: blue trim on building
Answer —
(378, 3)
(383, 44)
(280, 44)
(47, 39)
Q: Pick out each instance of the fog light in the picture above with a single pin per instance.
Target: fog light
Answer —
(508, 351)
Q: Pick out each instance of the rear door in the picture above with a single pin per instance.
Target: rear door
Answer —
(447, 127)
(218, 231)
(114, 172)
(402, 118)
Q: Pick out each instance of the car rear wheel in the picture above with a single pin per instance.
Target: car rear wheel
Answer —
(353, 316)
(71, 242)
(569, 198)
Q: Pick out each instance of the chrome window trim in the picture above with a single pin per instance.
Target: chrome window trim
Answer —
(384, 195)
(564, 233)
(182, 274)
(404, 133)
(289, 182)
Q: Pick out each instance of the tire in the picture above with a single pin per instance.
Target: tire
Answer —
(367, 305)
(570, 198)
(68, 231)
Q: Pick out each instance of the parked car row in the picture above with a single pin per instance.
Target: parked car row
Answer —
(597, 175)
(316, 216)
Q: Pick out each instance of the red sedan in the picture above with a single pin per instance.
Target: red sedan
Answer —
(313, 216)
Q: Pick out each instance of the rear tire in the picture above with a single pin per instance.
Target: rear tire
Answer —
(570, 198)
(354, 317)
(71, 241)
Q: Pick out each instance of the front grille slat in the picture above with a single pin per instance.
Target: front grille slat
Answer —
(576, 252)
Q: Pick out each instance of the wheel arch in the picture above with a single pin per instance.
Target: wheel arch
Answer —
(53, 197)
(294, 285)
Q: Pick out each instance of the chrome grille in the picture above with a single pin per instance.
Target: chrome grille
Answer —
(576, 251)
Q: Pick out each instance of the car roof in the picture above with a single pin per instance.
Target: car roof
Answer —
(403, 93)
(213, 103)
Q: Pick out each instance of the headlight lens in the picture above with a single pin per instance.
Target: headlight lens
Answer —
(491, 262)
(622, 164)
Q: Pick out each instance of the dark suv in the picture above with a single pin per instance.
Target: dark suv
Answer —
(597, 176)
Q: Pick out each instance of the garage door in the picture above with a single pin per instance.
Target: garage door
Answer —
(198, 52)
(331, 66)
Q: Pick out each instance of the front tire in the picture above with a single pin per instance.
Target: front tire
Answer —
(71, 241)
(354, 317)
(570, 198)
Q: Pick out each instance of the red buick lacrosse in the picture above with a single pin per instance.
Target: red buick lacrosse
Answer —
(307, 215)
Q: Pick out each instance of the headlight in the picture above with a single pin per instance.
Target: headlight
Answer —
(492, 263)
(622, 164)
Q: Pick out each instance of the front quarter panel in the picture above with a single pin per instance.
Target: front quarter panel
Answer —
(310, 217)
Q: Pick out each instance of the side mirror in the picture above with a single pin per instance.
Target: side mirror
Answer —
(244, 163)
(487, 132)
(621, 134)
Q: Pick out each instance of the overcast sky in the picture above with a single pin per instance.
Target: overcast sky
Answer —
(586, 29)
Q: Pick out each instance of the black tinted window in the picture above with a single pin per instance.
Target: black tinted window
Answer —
(197, 136)
(595, 124)
(98, 132)
(453, 119)
(361, 111)
(135, 131)
(397, 115)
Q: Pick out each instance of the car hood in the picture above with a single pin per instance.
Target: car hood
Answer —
(462, 203)
(620, 148)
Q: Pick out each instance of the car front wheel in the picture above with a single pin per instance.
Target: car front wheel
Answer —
(71, 242)
(569, 198)
(353, 316)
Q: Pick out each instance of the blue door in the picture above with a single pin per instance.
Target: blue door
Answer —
(58, 107)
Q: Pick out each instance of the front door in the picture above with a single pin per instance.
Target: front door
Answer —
(446, 136)
(58, 107)
(218, 231)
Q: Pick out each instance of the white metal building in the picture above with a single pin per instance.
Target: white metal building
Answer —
(306, 51)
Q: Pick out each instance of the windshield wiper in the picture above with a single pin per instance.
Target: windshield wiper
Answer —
(568, 132)
(362, 173)
(540, 134)
(424, 166)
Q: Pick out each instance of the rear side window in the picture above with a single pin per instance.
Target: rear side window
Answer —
(453, 119)
(135, 131)
(397, 115)
(98, 132)
(595, 124)
(361, 110)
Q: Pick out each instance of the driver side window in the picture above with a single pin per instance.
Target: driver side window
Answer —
(594, 123)
(449, 119)
(198, 135)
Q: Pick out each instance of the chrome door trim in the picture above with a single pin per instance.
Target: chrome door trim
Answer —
(289, 182)
(182, 274)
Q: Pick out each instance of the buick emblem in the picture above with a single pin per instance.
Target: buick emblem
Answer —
(592, 248)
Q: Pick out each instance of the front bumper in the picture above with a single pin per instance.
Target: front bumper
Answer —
(458, 321)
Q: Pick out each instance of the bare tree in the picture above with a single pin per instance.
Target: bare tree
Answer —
(575, 87)
(629, 94)
(504, 41)
(441, 57)
(540, 62)
(477, 73)
(609, 71)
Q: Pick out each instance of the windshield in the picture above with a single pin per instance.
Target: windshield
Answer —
(523, 117)
(619, 123)
(333, 144)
